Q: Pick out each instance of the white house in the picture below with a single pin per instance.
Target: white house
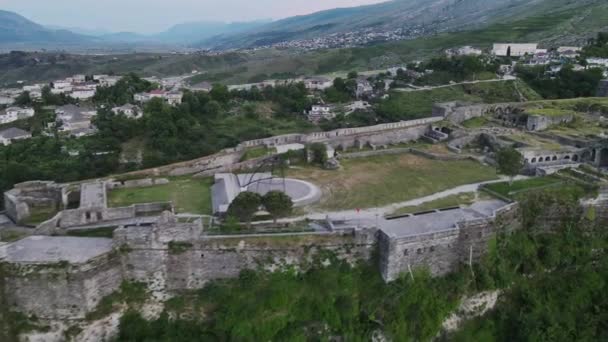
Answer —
(357, 105)
(598, 62)
(83, 93)
(79, 78)
(172, 97)
(74, 120)
(129, 110)
(9, 135)
(317, 83)
(106, 81)
(15, 113)
(6, 100)
(514, 50)
(320, 112)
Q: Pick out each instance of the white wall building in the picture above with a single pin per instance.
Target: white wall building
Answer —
(83, 93)
(129, 110)
(320, 112)
(317, 83)
(514, 50)
(15, 113)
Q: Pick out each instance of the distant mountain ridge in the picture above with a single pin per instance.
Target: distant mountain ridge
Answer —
(434, 15)
(585, 18)
(14, 28)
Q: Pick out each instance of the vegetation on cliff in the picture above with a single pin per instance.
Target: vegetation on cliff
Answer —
(553, 282)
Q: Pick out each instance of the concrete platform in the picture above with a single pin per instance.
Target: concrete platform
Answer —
(440, 221)
(302, 193)
(53, 249)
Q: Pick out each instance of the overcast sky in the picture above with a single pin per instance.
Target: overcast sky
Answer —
(148, 16)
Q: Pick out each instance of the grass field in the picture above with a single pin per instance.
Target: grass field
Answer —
(510, 190)
(39, 215)
(257, 152)
(446, 202)
(557, 186)
(189, 195)
(382, 180)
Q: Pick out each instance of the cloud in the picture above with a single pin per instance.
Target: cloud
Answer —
(157, 15)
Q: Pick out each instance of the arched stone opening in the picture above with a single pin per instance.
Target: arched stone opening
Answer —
(533, 160)
(548, 159)
(554, 158)
(575, 158)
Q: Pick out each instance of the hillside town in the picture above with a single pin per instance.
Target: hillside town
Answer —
(76, 119)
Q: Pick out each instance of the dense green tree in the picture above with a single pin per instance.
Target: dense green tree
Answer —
(278, 204)
(244, 206)
(318, 153)
(23, 99)
(122, 92)
(509, 162)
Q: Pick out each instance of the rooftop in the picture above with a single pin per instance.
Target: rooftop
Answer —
(436, 222)
(53, 249)
(13, 132)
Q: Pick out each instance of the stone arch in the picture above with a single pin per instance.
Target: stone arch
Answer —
(567, 158)
(548, 159)
(575, 158)
(533, 160)
(554, 158)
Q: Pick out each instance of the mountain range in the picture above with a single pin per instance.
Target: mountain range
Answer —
(432, 16)
(15, 29)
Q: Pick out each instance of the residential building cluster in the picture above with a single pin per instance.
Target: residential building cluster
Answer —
(352, 38)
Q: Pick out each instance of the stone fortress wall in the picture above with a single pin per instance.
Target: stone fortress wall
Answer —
(41, 280)
(175, 256)
(443, 250)
(511, 114)
(229, 160)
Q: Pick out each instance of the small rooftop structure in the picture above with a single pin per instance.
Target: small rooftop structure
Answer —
(54, 249)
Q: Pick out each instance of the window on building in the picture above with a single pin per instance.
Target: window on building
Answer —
(419, 251)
